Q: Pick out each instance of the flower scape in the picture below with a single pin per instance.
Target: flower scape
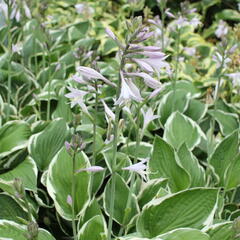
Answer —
(119, 120)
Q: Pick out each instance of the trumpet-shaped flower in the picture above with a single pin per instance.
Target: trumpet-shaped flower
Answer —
(91, 169)
(93, 74)
(76, 97)
(235, 78)
(148, 117)
(129, 91)
(139, 168)
(148, 80)
(108, 111)
(69, 200)
(218, 59)
(222, 29)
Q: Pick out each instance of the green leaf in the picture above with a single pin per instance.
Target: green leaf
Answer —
(232, 178)
(228, 122)
(196, 110)
(163, 164)
(120, 201)
(94, 229)
(143, 151)
(223, 231)
(180, 129)
(193, 208)
(13, 136)
(150, 190)
(228, 14)
(59, 183)
(44, 145)
(190, 163)
(184, 234)
(26, 171)
(224, 155)
(63, 110)
(166, 104)
(15, 231)
(92, 210)
(10, 209)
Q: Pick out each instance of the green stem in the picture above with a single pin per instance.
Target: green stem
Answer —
(94, 133)
(174, 80)
(162, 27)
(132, 181)
(73, 196)
(115, 142)
(210, 146)
(49, 87)
(9, 38)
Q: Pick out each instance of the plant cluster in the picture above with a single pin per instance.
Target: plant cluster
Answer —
(119, 126)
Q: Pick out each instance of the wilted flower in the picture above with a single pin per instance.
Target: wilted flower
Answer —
(139, 168)
(129, 91)
(91, 169)
(235, 78)
(222, 29)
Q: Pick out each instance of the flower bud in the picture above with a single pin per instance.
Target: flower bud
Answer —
(32, 228)
(19, 188)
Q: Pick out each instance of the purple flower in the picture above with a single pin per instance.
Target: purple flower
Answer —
(93, 74)
(110, 34)
(191, 51)
(195, 22)
(67, 145)
(218, 58)
(149, 81)
(169, 14)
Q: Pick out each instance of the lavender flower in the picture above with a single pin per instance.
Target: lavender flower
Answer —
(149, 81)
(129, 91)
(148, 117)
(235, 78)
(67, 145)
(139, 168)
(222, 29)
(69, 200)
(76, 97)
(91, 169)
(191, 51)
(169, 14)
(218, 59)
(90, 73)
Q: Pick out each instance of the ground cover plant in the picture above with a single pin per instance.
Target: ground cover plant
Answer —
(119, 120)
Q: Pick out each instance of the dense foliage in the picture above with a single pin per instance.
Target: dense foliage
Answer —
(119, 120)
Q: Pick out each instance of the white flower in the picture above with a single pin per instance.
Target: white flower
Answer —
(76, 97)
(222, 29)
(139, 168)
(110, 33)
(69, 200)
(191, 51)
(129, 91)
(218, 58)
(148, 117)
(108, 111)
(169, 14)
(195, 22)
(235, 78)
(91, 169)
